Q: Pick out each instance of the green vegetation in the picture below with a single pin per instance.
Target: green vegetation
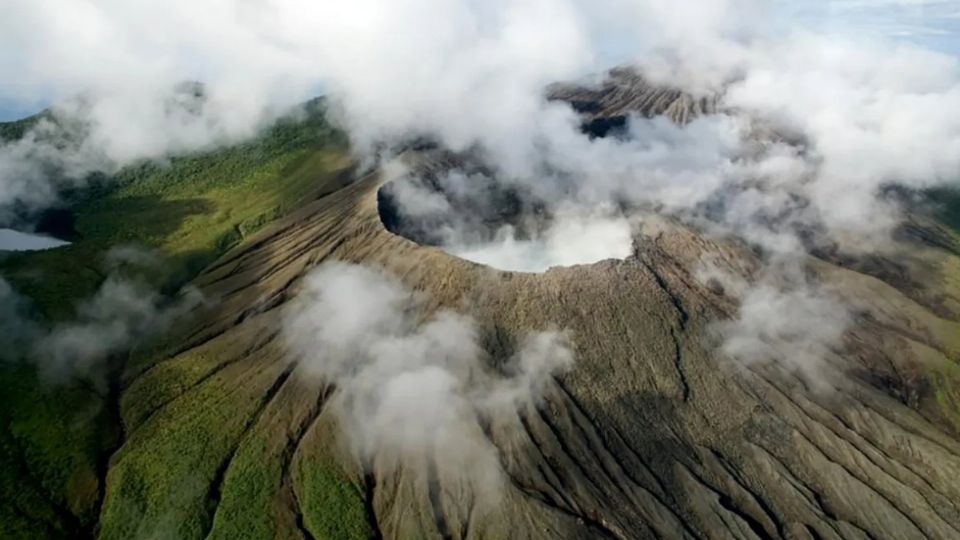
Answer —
(271, 476)
(169, 411)
(333, 506)
(50, 442)
(945, 391)
(190, 210)
(163, 472)
(948, 202)
(11, 131)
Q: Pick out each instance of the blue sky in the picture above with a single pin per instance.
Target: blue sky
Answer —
(11, 109)
(933, 24)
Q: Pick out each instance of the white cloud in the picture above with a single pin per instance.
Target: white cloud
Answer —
(123, 311)
(408, 389)
(573, 237)
(120, 313)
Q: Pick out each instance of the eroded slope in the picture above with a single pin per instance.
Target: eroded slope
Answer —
(651, 435)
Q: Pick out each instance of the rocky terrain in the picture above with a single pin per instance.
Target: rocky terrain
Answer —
(652, 434)
(624, 91)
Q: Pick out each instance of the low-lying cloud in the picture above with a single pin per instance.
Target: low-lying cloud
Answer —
(120, 313)
(123, 311)
(97, 134)
(409, 388)
(784, 318)
(15, 321)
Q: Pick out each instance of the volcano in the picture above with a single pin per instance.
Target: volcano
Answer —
(652, 434)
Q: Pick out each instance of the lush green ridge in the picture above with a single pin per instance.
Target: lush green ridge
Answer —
(190, 210)
(11, 131)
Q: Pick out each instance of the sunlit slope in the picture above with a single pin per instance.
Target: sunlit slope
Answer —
(57, 438)
(191, 209)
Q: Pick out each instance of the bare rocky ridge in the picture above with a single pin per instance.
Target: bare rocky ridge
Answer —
(652, 435)
(624, 91)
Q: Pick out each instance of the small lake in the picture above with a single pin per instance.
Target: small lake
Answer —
(11, 240)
